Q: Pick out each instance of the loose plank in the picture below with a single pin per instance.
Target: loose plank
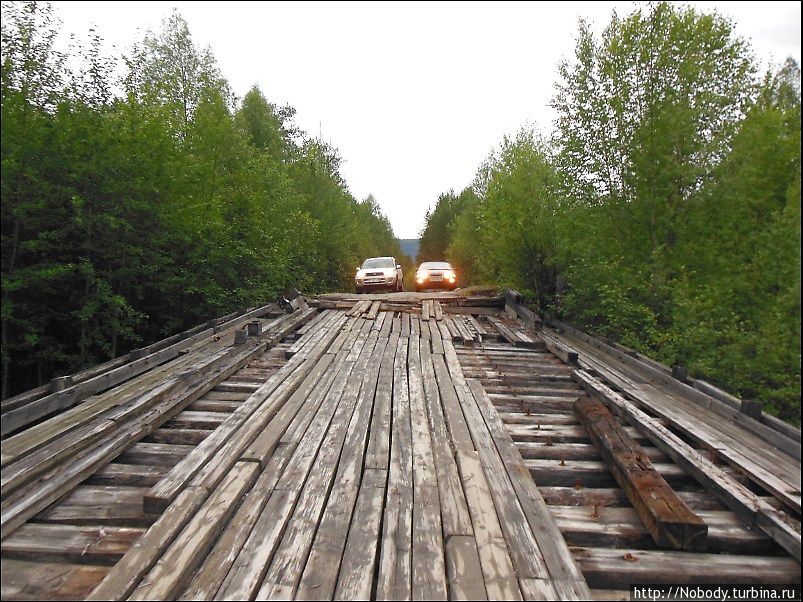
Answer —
(736, 496)
(186, 552)
(124, 577)
(668, 520)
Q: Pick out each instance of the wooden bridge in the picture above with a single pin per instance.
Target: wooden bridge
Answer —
(400, 446)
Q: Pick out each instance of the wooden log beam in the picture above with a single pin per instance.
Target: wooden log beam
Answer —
(668, 520)
(569, 356)
(515, 308)
(752, 509)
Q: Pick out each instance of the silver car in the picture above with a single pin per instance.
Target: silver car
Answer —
(435, 274)
(379, 273)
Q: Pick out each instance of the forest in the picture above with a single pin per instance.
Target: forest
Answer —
(140, 201)
(141, 196)
(661, 210)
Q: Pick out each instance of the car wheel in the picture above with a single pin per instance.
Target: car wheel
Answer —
(399, 285)
(359, 290)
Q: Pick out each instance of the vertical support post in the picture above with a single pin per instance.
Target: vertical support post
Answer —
(752, 408)
(60, 383)
(254, 328)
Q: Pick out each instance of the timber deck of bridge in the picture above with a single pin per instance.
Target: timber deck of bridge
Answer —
(393, 446)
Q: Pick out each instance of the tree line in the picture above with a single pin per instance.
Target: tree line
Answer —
(662, 210)
(140, 197)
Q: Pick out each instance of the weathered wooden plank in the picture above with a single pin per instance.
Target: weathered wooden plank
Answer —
(320, 574)
(313, 386)
(594, 473)
(574, 451)
(70, 543)
(208, 405)
(378, 452)
(428, 570)
(255, 412)
(456, 520)
(463, 569)
(73, 395)
(135, 421)
(495, 563)
(451, 327)
(615, 568)
(356, 574)
(373, 311)
(776, 472)
(228, 395)
(405, 324)
(344, 442)
(143, 555)
(187, 551)
(435, 337)
(568, 355)
(475, 324)
(437, 310)
(505, 332)
(25, 580)
(558, 433)
(395, 562)
(524, 552)
(456, 422)
(736, 423)
(175, 436)
(37, 495)
(253, 560)
(668, 520)
(514, 305)
(465, 335)
(155, 454)
(426, 310)
(99, 505)
(127, 474)
(623, 528)
(615, 497)
(563, 573)
(212, 572)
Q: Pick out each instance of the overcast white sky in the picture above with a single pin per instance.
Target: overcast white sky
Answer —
(414, 95)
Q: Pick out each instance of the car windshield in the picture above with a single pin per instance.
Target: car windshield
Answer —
(378, 262)
(435, 265)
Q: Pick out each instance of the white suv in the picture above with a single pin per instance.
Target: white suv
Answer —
(379, 273)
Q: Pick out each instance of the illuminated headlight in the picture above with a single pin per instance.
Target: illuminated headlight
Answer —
(421, 276)
(450, 275)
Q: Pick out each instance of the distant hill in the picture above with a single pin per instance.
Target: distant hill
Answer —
(409, 246)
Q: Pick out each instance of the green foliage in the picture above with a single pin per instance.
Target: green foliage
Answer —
(128, 217)
(668, 215)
